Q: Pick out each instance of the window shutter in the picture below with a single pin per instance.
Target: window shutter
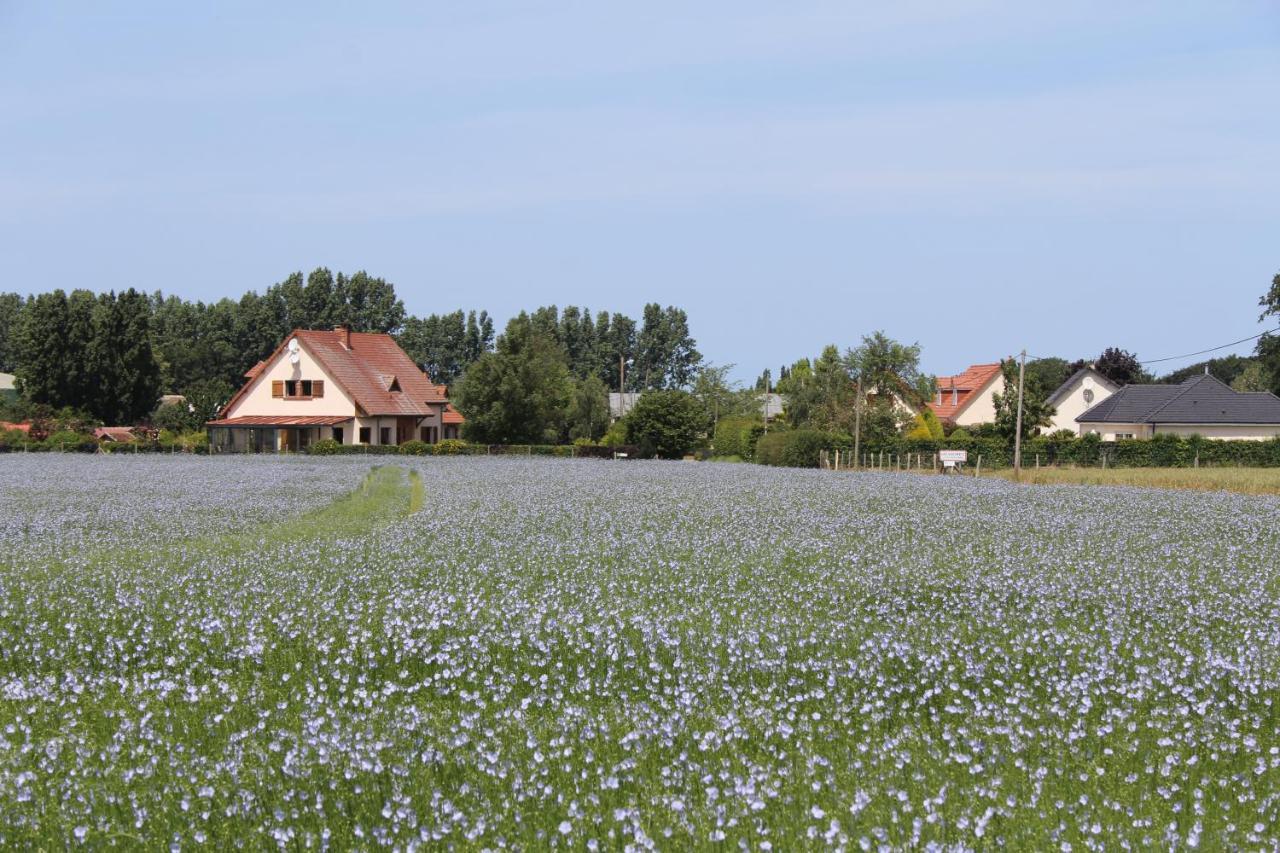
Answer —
(317, 387)
(277, 387)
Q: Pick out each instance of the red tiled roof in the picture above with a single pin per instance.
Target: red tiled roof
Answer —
(452, 415)
(281, 420)
(19, 427)
(967, 386)
(364, 371)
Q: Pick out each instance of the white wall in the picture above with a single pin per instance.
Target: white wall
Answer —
(1229, 432)
(258, 400)
(1074, 404)
(982, 407)
(1109, 431)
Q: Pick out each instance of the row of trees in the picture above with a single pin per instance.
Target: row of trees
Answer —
(112, 356)
(548, 379)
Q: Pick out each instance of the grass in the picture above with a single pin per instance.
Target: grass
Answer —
(1249, 481)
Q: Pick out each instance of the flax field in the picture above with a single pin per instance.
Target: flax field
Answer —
(503, 653)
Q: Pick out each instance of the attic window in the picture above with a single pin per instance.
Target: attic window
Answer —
(391, 382)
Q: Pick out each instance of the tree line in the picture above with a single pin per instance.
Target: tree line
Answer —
(110, 356)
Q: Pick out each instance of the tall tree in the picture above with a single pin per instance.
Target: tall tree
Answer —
(519, 393)
(40, 346)
(667, 355)
(588, 415)
(1119, 365)
(10, 310)
(1036, 413)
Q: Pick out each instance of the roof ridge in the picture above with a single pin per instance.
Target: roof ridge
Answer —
(1184, 388)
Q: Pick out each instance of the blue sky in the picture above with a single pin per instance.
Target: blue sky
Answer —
(977, 177)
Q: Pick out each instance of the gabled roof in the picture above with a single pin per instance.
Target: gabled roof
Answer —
(363, 371)
(967, 385)
(1198, 400)
(1065, 388)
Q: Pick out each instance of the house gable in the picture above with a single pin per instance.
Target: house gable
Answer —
(262, 395)
(1083, 389)
(968, 398)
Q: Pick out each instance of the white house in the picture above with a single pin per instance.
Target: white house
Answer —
(353, 387)
(6, 381)
(1083, 389)
(1202, 405)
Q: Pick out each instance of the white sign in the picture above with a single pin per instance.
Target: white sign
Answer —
(953, 456)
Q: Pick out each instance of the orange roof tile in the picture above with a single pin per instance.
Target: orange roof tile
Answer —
(966, 385)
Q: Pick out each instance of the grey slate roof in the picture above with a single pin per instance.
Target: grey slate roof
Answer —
(1198, 400)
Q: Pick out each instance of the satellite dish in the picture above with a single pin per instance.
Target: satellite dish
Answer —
(294, 351)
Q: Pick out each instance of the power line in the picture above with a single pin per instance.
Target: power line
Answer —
(1189, 354)
(1211, 349)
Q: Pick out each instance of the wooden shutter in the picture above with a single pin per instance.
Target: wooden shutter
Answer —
(277, 387)
(317, 387)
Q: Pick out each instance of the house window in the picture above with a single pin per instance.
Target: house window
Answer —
(428, 434)
(337, 434)
(298, 389)
(365, 433)
(384, 435)
(1121, 435)
(451, 432)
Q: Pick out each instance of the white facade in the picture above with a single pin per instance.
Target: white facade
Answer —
(6, 381)
(982, 406)
(258, 401)
(1085, 389)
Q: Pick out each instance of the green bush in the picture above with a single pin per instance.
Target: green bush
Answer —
(451, 447)
(324, 447)
(800, 448)
(737, 437)
(68, 441)
(415, 448)
(666, 423)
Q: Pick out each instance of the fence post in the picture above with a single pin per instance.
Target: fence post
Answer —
(977, 471)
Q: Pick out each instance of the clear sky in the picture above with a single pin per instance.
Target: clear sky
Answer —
(978, 177)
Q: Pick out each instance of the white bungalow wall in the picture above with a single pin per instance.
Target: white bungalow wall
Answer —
(1074, 404)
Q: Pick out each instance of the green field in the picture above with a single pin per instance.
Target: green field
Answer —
(488, 653)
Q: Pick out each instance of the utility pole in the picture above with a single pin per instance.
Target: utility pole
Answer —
(1017, 436)
(857, 422)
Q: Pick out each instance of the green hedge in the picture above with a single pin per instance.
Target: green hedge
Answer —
(801, 448)
(737, 437)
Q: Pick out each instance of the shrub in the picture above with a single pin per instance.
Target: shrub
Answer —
(668, 424)
(324, 447)
(616, 435)
(451, 447)
(926, 426)
(69, 441)
(800, 448)
(737, 437)
(415, 448)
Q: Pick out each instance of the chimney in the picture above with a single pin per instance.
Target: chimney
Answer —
(346, 335)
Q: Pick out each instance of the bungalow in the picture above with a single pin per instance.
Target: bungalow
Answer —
(352, 387)
(1083, 389)
(1202, 405)
(968, 398)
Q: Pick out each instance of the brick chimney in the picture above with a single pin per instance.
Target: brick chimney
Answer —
(346, 335)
